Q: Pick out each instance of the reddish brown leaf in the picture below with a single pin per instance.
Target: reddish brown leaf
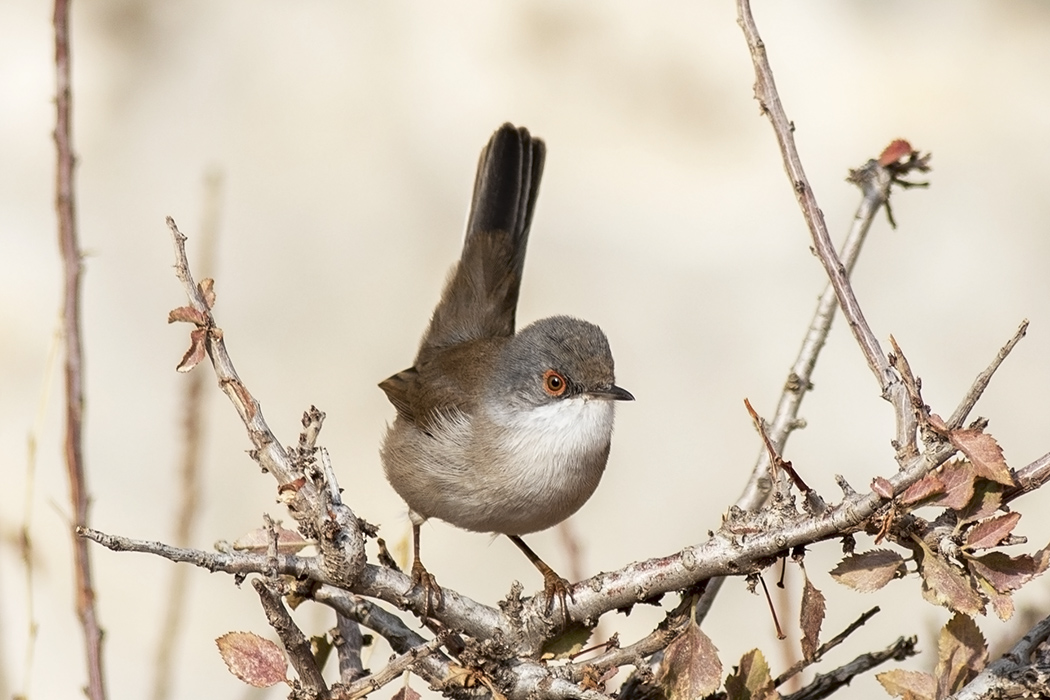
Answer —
(406, 693)
(957, 477)
(197, 351)
(910, 685)
(690, 668)
(989, 533)
(961, 654)
(985, 502)
(256, 661)
(207, 290)
(751, 680)
(869, 571)
(882, 487)
(187, 314)
(1004, 572)
(898, 148)
(984, 452)
(927, 486)
(811, 616)
(943, 584)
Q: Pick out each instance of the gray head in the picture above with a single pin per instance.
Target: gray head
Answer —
(554, 359)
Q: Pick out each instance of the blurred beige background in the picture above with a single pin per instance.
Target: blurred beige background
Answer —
(347, 134)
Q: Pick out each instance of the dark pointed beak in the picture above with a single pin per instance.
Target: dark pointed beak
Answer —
(612, 393)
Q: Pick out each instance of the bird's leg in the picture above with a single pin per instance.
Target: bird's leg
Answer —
(421, 578)
(553, 584)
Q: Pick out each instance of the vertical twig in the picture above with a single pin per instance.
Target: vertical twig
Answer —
(70, 247)
(193, 405)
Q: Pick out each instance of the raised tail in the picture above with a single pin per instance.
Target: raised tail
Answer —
(481, 295)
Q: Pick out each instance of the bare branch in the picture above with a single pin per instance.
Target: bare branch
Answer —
(1029, 478)
(827, 646)
(1024, 671)
(71, 261)
(827, 683)
(348, 642)
(769, 100)
(981, 382)
(296, 645)
(396, 667)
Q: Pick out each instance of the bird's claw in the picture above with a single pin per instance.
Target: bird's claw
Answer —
(421, 578)
(554, 586)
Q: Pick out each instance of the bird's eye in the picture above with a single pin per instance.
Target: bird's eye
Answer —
(553, 383)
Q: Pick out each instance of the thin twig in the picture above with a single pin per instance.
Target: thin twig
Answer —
(825, 684)
(769, 100)
(393, 670)
(827, 646)
(188, 509)
(1029, 478)
(296, 645)
(71, 260)
(981, 382)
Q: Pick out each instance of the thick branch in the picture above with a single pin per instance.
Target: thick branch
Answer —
(1024, 671)
(296, 645)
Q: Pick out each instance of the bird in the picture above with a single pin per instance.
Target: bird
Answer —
(500, 431)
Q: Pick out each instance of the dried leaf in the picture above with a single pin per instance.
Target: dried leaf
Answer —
(256, 661)
(207, 290)
(1004, 572)
(258, 540)
(882, 486)
(910, 685)
(690, 668)
(811, 616)
(187, 314)
(927, 486)
(989, 533)
(197, 350)
(869, 571)
(943, 584)
(961, 654)
(751, 679)
(984, 452)
(958, 478)
(406, 693)
(1002, 603)
(986, 500)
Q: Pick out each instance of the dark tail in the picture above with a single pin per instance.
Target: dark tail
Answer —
(481, 295)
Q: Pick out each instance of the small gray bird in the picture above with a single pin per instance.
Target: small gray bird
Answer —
(497, 431)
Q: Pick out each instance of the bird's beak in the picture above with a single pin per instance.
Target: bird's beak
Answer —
(611, 393)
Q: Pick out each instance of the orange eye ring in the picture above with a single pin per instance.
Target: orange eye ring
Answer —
(554, 383)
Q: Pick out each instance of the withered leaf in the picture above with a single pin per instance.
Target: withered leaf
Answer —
(751, 680)
(691, 668)
(910, 685)
(1002, 603)
(882, 486)
(927, 486)
(187, 314)
(984, 453)
(1004, 572)
(256, 661)
(869, 571)
(961, 654)
(943, 584)
(406, 693)
(898, 148)
(259, 539)
(986, 499)
(567, 643)
(957, 477)
(207, 290)
(197, 351)
(811, 616)
(989, 533)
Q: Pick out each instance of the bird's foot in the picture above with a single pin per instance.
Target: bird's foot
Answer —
(421, 578)
(554, 586)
